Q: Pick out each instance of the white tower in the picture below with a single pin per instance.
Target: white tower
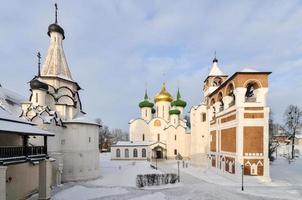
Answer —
(56, 101)
(146, 108)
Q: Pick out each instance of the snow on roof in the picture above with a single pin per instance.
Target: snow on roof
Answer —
(132, 143)
(10, 101)
(82, 118)
(11, 124)
(248, 70)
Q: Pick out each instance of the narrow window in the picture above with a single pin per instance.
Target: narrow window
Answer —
(146, 113)
(135, 153)
(126, 153)
(175, 151)
(89, 139)
(143, 137)
(118, 153)
(175, 137)
(158, 137)
(36, 97)
(144, 153)
(203, 117)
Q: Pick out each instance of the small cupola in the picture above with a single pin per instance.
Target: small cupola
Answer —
(179, 102)
(55, 27)
(146, 103)
(35, 84)
(163, 95)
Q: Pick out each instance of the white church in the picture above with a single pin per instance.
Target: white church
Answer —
(55, 105)
(160, 132)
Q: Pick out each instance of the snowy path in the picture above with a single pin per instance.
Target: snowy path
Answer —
(118, 183)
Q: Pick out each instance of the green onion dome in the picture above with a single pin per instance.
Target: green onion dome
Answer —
(146, 102)
(178, 102)
(174, 112)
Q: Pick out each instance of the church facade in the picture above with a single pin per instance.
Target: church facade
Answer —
(161, 130)
(54, 104)
(229, 128)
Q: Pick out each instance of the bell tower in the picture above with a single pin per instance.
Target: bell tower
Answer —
(215, 78)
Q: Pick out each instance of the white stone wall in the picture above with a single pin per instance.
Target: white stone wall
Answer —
(80, 152)
(199, 135)
(130, 149)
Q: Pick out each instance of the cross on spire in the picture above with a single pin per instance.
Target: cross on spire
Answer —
(215, 59)
(39, 63)
(56, 13)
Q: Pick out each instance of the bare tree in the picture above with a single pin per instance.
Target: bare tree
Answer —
(188, 121)
(104, 135)
(293, 115)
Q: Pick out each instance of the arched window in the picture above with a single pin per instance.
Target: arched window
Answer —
(217, 82)
(146, 114)
(118, 153)
(158, 137)
(221, 104)
(144, 153)
(250, 92)
(175, 137)
(230, 92)
(126, 153)
(37, 95)
(135, 153)
(143, 137)
(254, 169)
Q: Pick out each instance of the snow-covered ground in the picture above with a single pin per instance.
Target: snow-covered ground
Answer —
(117, 181)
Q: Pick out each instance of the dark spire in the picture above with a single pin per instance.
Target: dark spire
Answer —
(215, 59)
(39, 63)
(56, 13)
(146, 95)
(178, 94)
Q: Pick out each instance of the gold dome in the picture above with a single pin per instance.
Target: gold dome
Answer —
(163, 95)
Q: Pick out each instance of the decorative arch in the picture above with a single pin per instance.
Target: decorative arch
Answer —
(254, 81)
(229, 89)
(217, 81)
(69, 97)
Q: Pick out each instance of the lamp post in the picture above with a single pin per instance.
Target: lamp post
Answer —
(178, 158)
(156, 162)
(178, 170)
(242, 167)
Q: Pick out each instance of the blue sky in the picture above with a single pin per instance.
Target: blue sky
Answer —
(114, 48)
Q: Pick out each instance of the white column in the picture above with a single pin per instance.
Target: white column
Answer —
(3, 182)
(44, 179)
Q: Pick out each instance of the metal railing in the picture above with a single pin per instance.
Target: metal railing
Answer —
(20, 151)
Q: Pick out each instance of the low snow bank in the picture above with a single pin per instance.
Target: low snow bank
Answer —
(80, 192)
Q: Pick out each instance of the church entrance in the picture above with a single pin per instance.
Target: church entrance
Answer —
(159, 154)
